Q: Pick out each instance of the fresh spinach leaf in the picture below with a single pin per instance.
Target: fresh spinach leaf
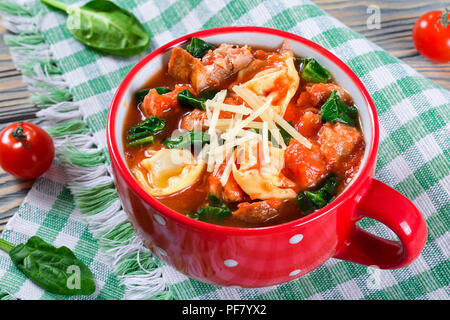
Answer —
(187, 100)
(148, 127)
(103, 26)
(215, 210)
(313, 71)
(187, 139)
(209, 94)
(143, 133)
(56, 270)
(334, 110)
(140, 95)
(162, 90)
(304, 203)
(193, 215)
(210, 213)
(284, 134)
(308, 201)
(141, 142)
(198, 47)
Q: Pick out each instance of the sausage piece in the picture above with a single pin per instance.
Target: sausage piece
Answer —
(257, 212)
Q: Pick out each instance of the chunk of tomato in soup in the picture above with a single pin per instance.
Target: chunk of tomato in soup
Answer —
(163, 105)
(194, 120)
(308, 122)
(303, 116)
(306, 167)
(231, 192)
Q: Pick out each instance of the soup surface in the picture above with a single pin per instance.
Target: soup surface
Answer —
(242, 136)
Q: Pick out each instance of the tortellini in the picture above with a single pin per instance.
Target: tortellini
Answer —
(278, 83)
(262, 178)
(169, 171)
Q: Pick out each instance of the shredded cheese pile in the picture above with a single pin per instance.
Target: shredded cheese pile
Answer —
(236, 131)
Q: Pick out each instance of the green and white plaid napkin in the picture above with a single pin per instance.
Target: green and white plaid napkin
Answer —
(75, 203)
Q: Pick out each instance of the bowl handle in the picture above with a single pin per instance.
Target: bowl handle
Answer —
(394, 210)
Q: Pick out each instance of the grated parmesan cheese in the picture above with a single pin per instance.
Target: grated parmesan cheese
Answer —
(255, 102)
(228, 107)
(225, 123)
(227, 171)
(291, 130)
(235, 131)
(265, 139)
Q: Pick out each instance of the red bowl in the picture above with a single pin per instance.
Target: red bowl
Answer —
(255, 257)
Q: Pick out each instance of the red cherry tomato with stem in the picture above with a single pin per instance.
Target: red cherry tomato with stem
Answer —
(26, 150)
(431, 35)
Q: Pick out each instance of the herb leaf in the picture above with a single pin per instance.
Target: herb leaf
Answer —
(140, 95)
(162, 90)
(56, 270)
(209, 94)
(187, 139)
(312, 200)
(141, 142)
(102, 25)
(150, 126)
(313, 71)
(210, 213)
(334, 110)
(187, 100)
(284, 134)
(142, 133)
(216, 210)
(304, 203)
(198, 47)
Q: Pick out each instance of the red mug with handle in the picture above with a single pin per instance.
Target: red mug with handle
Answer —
(394, 210)
(256, 257)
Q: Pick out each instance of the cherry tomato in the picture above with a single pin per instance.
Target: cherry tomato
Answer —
(26, 150)
(431, 35)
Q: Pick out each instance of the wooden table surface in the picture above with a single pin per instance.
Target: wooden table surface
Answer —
(397, 20)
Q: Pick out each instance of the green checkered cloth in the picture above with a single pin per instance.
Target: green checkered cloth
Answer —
(414, 115)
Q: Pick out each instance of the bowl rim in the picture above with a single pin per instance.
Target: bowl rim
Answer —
(125, 173)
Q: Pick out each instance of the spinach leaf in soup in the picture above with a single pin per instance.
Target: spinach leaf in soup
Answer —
(198, 47)
(140, 95)
(284, 134)
(141, 142)
(105, 27)
(209, 94)
(216, 210)
(142, 133)
(313, 71)
(187, 99)
(334, 110)
(309, 200)
(188, 139)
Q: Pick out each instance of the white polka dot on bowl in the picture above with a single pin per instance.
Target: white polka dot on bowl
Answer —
(295, 272)
(296, 239)
(230, 263)
(160, 220)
